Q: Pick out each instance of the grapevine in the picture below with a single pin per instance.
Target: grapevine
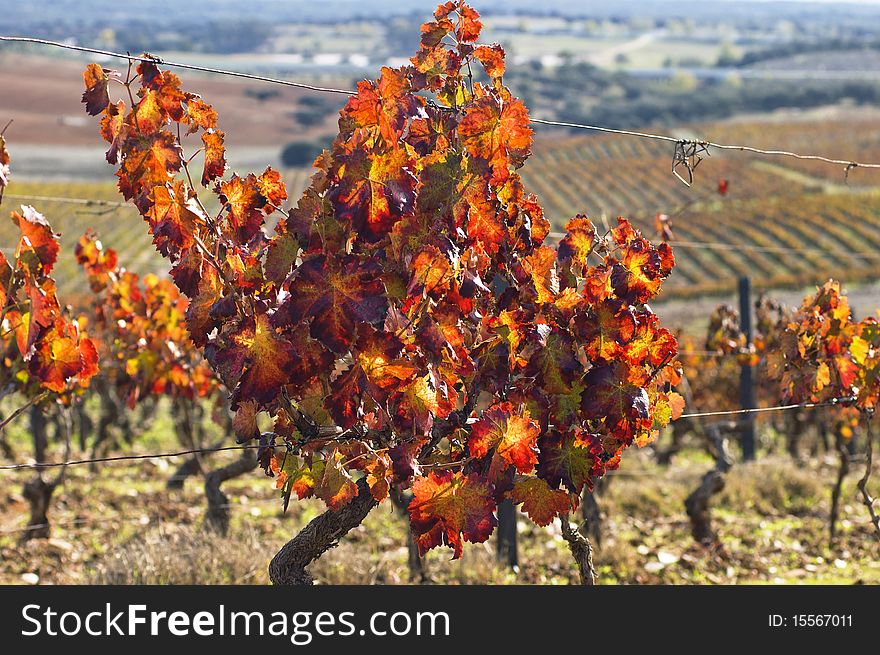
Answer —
(405, 324)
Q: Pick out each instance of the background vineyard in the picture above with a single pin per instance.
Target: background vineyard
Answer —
(798, 222)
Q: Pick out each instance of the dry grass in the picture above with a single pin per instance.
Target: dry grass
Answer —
(771, 518)
(184, 555)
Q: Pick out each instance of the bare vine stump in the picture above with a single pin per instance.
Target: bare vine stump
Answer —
(418, 571)
(592, 515)
(191, 466)
(842, 470)
(581, 551)
(37, 490)
(867, 499)
(288, 567)
(109, 416)
(217, 515)
(5, 447)
(39, 496)
(84, 425)
(697, 504)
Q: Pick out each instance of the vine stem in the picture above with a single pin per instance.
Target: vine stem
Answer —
(33, 401)
(581, 550)
(867, 499)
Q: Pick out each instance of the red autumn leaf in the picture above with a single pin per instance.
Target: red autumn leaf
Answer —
(169, 97)
(199, 114)
(296, 475)
(96, 96)
(416, 403)
(484, 225)
(638, 269)
(187, 272)
(281, 255)
(335, 486)
(578, 242)
(215, 156)
(272, 187)
(539, 501)
(667, 407)
(175, 217)
(497, 132)
(511, 435)
(150, 160)
(436, 63)
(431, 273)
(492, 58)
(148, 116)
(37, 237)
(375, 191)
(387, 105)
(649, 344)
(606, 330)
(541, 266)
(114, 130)
(245, 421)
(565, 459)
(244, 204)
(199, 320)
(434, 31)
(450, 507)
(61, 355)
(554, 364)
(611, 395)
(257, 362)
(336, 294)
(375, 372)
(468, 24)
(379, 476)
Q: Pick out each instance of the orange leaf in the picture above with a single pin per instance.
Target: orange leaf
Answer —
(540, 502)
(450, 507)
(511, 435)
(96, 96)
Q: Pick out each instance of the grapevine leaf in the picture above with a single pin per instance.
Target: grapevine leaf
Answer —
(96, 96)
(336, 294)
(541, 503)
(450, 507)
(511, 435)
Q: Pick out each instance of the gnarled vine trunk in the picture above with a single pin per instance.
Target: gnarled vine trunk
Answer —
(217, 515)
(322, 533)
(592, 515)
(581, 550)
(842, 470)
(697, 504)
(418, 572)
(191, 466)
(867, 499)
(38, 491)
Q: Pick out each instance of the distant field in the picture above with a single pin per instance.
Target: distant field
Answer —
(42, 97)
